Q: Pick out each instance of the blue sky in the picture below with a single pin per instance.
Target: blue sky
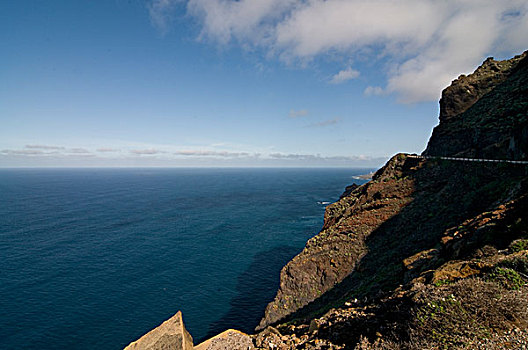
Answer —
(236, 83)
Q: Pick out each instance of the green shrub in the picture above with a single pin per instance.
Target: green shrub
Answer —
(440, 283)
(518, 245)
(507, 277)
(518, 263)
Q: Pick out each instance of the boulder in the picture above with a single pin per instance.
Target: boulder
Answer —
(170, 335)
(227, 340)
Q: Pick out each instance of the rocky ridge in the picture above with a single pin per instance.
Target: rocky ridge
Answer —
(430, 254)
(497, 126)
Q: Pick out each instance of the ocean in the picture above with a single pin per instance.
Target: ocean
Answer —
(95, 258)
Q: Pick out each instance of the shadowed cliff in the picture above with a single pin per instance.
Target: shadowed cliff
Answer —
(485, 114)
(411, 203)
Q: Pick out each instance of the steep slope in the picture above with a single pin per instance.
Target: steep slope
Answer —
(404, 210)
(469, 291)
(380, 235)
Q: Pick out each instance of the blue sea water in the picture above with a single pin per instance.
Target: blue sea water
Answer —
(94, 258)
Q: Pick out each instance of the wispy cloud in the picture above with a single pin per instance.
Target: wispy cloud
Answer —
(324, 123)
(44, 147)
(148, 151)
(78, 150)
(424, 43)
(200, 153)
(311, 157)
(161, 13)
(293, 156)
(149, 157)
(107, 150)
(373, 91)
(344, 75)
(246, 21)
(299, 113)
(23, 152)
(45, 150)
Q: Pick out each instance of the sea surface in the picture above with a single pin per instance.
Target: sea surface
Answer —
(95, 258)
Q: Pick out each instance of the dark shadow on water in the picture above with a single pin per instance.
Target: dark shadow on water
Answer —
(256, 287)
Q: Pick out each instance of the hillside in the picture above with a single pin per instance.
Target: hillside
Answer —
(411, 203)
(431, 253)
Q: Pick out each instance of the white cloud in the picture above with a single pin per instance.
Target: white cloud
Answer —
(164, 156)
(344, 75)
(44, 147)
(78, 150)
(424, 43)
(373, 91)
(23, 152)
(105, 149)
(242, 20)
(299, 113)
(148, 151)
(318, 26)
(161, 12)
(200, 153)
(313, 157)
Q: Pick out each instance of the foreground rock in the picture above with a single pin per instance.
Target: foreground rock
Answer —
(170, 335)
(228, 340)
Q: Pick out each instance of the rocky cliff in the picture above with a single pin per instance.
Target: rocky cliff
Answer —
(405, 210)
(418, 216)
(495, 127)
(431, 253)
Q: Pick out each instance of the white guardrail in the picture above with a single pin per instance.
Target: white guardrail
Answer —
(471, 159)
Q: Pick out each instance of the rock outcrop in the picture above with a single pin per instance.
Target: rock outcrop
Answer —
(170, 335)
(227, 340)
(485, 114)
(466, 90)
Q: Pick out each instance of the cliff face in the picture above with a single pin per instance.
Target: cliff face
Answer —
(391, 230)
(497, 126)
(466, 290)
(367, 236)
(466, 90)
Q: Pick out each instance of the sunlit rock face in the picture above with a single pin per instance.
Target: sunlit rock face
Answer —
(170, 335)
